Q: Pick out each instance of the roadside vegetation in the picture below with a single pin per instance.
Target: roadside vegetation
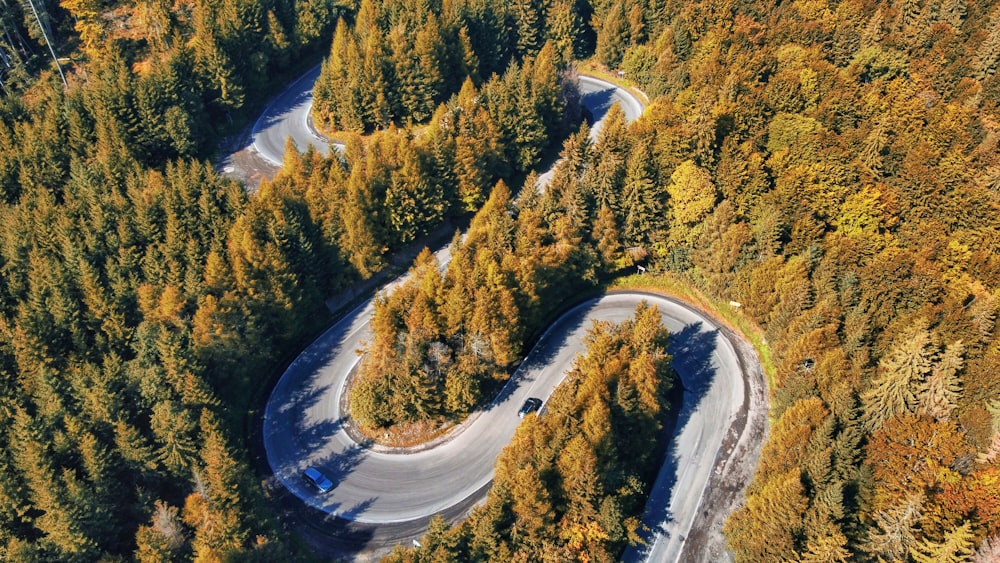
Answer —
(571, 484)
(445, 342)
(833, 167)
(395, 62)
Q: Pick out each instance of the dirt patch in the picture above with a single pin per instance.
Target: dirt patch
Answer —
(244, 163)
(406, 435)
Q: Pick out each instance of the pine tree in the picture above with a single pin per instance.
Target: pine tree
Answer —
(893, 392)
(173, 429)
(547, 90)
(721, 247)
(90, 24)
(366, 21)
(957, 546)
(953, 12)
(214, 63)
(692, 197)
(529, 19)
(993, 450)
(412, 203)
(765, 528)
(54, 492)
(939, 393)
(534, 515)
(314, 19)
(611, 151)
(828, 545)
(215, 509)
(469, 65)
(642, 205)
(376, 83)
(988, 53)
(164, 539)
(607, 238)
(278, 41)
(336, 97)
(430, 53)
(613, 36)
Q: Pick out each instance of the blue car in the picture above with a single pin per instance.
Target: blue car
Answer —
(317, 479)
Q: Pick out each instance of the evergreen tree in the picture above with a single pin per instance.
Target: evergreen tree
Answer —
(957, 546)
(164, 539)
(938, 394)
(642, 205)
(566, 30)
(893, 393)
(529, 20)
(613, 36)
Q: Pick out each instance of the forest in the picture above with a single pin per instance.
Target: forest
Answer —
(833, 166)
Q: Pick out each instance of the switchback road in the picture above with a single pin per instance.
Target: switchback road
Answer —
(395, 492)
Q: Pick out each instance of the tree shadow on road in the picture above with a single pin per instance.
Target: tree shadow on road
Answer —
(300, 389)
(312, 360)
(338, 466)
(598, 103)
(692, 349)
(544, 352)
(277, 113)
(318, 435)
(335, 514)
(357, 510)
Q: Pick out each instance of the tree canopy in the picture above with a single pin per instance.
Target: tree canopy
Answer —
(831, 166)
(571, 483)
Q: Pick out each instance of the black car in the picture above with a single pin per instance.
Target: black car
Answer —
(317, 479)
(529, 406)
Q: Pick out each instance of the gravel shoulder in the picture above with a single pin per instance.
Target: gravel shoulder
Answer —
(735, 465)
(242, 162)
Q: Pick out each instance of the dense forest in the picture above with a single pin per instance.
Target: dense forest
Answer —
(443, 341)
(833, 166)
(145, 300)
(392, 186)
(399, 61)
(141, 294)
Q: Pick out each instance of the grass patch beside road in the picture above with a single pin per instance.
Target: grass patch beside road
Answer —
(721, 311)
(593, 68)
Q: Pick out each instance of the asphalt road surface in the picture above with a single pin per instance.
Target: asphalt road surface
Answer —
(288, 116)
(303, 420)
(599, 96)
(396, 493)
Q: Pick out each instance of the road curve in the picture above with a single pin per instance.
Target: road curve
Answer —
(302, 420)
(600, 95)
(288, 116)
(303, 424)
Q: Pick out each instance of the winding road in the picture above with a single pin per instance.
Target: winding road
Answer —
(392, 494)
(288, 116)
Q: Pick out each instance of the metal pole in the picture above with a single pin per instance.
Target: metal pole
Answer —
(49, 43)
